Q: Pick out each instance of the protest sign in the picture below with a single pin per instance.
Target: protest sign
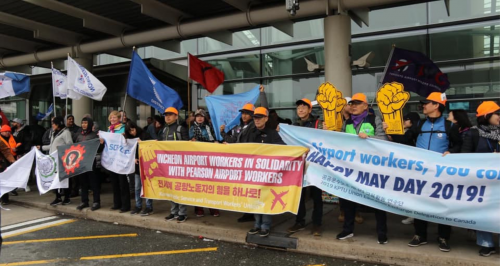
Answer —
(332, 102)
(458, 189)
(47, 176)
(391, 98)
(118, 155)
(250, 178)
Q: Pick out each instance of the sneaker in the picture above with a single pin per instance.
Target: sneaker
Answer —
(4, 202)
(199, 212)
(316, 231)
(171, 217)
(28, 189)
(263, 233)
(416, 241)
(214, 213)
(14, 193)
(182, 218)
(95, 206)
(56, 202)
(254, 231)
(408, 220)
(66, 201)
(146, 212)
(82, 206)
(247, 217)
(344, 235)
(136, 211)
(124, 210)
(358, 219)
(341, 217)
(443, 245)
(382, 239)
(485, 251)
(295, 228)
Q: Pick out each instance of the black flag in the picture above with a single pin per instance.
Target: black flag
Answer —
(76, 158)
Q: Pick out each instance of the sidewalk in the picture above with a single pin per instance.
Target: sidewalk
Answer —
(362, 247)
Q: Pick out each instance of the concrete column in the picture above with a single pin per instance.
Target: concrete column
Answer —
(337, 52)
(130, 108)
(83, 106)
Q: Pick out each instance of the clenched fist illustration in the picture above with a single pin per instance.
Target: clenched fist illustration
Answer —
(149, 163)
(391, 98)
(330, 99)
(341, 103)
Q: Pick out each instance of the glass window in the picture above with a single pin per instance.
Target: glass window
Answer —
(480, 41)
(476, 80)
(462, 9)
(304, 30)
(238, 67)
(284, 92)
(14, 107)
(286, 62)
(384, 19)
(241, 39)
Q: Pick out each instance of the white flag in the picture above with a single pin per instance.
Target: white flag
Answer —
(118, 155)
(17, 174)
(47, 177)
(83, 82)
(60, 86)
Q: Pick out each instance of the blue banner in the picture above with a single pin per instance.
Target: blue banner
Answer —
(224, 109)
(42, 116)
(145, 87)
(416, 72)
(12, 84)
(458, 189)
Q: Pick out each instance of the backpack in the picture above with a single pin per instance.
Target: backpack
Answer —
(447, 126)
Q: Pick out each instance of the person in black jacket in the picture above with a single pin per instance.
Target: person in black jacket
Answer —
(22, 134)
(88, 179)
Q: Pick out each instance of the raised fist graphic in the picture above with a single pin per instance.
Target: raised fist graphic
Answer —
(149, 163)
(391, 98)
(330, 99)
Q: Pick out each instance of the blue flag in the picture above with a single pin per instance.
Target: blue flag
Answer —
(12, 84)
(416, 72)
(145, 87)
(224, 109)
(42, 116)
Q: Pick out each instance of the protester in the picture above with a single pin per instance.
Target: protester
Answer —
(484, 138)
(89, 179)
(75, 130)
(190, 119)
(149, 121)
(306, 119)
(435, 134)
(263, 134)
(60, 136)
(201, 131)
(174, 132)
(70, 124)
(132, 131)
(460, 119)
(121, 194)
(22, 134)
(7, 154)
(362, 124)
(37, 131)
(157, 126)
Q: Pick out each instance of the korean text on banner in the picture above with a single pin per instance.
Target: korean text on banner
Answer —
(118, 155)
(250, 178)
(458, 189)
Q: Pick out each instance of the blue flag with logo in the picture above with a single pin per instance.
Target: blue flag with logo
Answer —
(416, 72)
(12, 84)
(224, 109)
(145, 87)
(42, 116)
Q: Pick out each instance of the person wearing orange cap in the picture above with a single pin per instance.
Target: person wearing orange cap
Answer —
(485, 138)
(437, 134)
(6, 154)
(173, 131)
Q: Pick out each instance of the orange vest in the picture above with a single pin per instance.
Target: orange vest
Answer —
(11, 144)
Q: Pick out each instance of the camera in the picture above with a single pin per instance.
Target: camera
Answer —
(292, 6)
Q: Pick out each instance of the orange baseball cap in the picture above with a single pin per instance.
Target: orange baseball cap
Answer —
(484, 108)
(6, 128)
(304, 101)
(436, 97)
(260, 112)
(171, 110)
(248, 108)
(360, 97)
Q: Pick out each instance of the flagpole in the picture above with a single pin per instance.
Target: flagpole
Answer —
(53, 93)
(67, 91)
(189, 87)
(126, 93)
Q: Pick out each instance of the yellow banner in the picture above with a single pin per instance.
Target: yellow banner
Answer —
(250, 178)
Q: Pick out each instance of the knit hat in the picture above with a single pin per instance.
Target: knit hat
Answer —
(6, 128)
(200, 112)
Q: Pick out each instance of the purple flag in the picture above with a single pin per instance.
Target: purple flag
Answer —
(416, 72)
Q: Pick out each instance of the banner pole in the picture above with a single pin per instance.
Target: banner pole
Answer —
(126, 94)
(53, 93)
(189, 87)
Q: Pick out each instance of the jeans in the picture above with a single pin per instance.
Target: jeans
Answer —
(178, 209)
(121, 193)
(263, 221)
(485, 239)
(138, 199)
(317, 215)
(350, 216)
(420, 226)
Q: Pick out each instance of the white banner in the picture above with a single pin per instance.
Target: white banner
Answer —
(119, 153)
(47, 177)
(83, 82)
(17, 175)
(60, 86)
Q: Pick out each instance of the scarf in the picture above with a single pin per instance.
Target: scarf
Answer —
(114, 127)
(357, 119)
(489, 132)
(198, 134)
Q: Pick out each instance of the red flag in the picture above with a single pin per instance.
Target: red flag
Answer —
(205, 74)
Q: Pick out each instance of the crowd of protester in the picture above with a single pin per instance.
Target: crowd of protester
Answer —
(430, 130)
